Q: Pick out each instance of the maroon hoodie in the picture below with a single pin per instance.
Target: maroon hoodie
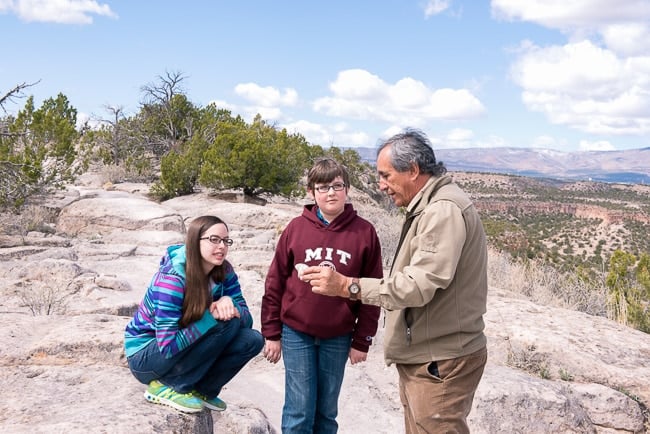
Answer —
(349, 244)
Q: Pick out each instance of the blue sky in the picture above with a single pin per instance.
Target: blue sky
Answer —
(556, 74)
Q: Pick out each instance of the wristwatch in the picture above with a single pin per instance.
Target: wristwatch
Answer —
(354, 289)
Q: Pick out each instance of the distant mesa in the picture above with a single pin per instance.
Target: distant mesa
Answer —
(631, 166)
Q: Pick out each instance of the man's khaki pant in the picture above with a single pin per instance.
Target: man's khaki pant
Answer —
(440, 404)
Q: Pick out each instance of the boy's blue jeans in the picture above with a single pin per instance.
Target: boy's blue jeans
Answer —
(206, 366)
(314, 371)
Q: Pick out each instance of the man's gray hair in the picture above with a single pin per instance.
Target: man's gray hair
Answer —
(412, 146)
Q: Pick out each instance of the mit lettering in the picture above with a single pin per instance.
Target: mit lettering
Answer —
(317, 255)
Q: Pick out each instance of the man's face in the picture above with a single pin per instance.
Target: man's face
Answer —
(399, 186)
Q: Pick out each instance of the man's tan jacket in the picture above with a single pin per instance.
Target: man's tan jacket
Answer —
(436, 293)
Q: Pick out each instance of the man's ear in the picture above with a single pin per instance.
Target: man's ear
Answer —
(414, 171)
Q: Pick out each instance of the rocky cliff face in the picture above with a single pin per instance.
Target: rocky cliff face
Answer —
(572, 223)
(582, 211)
(549, 370)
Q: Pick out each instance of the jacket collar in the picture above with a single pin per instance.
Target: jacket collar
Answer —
(432, 185)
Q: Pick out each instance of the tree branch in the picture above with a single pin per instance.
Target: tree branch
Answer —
(16, 92)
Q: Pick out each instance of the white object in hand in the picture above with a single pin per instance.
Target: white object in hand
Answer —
(300, 267)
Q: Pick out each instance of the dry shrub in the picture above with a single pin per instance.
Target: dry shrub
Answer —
(27, 219)
(8, 223)
(545, 285)
(387, 223)
(37, 218)
(111, 173)
(45, 298)
(118, 173)
(529, 360)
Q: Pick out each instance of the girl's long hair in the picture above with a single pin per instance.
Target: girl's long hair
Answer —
(197, 292)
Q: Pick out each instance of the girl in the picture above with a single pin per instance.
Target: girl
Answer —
(192, 331)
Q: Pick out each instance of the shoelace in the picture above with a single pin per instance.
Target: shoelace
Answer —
(168, 392)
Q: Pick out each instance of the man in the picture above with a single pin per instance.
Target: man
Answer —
(435, 294)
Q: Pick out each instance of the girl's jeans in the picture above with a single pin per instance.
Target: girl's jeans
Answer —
(206, 366)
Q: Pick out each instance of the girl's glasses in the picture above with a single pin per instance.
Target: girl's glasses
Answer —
(216, 240)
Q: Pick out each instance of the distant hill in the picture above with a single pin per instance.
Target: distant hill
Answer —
(570, 224)
(628, 166)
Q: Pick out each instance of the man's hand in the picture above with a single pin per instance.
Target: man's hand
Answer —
(325, 281)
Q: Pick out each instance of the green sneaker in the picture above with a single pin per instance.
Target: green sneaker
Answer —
(158, 393)
(213, 404)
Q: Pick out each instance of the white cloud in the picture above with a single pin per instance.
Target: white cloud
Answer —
(409, 93)
(336, 135)
(581, 68)
(464, 139)
(492, 141)
(82, 118)
(545, 142)
(221, 104)
(351, 138)
(586, 87)
(551, 144)
(461, 138)
(434, 7)
(358, 94)
(572, 15)
(315, 133)
(269, 114)
(599, 81)
(454, 138)
(57, 11)
(391, 131)
(358, 84)
(267, 96)
(460, 135)
(453, 104)
(629, 39)
(601, 145)
(265, 101)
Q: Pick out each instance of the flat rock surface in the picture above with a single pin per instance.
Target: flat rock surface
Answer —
(549, 369)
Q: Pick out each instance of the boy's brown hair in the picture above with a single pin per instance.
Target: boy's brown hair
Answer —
(325, 170)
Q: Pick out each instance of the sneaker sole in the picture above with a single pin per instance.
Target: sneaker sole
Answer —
(158, 400)
(212, 407)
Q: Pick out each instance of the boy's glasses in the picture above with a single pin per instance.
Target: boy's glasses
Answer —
(216, 240)
(326, 188)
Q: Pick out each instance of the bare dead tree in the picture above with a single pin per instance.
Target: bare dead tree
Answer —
(117, 113)
(15, 93)
(163, 91)
(11, 96)
(161, 94)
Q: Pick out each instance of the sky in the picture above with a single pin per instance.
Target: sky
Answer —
(553, 74)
